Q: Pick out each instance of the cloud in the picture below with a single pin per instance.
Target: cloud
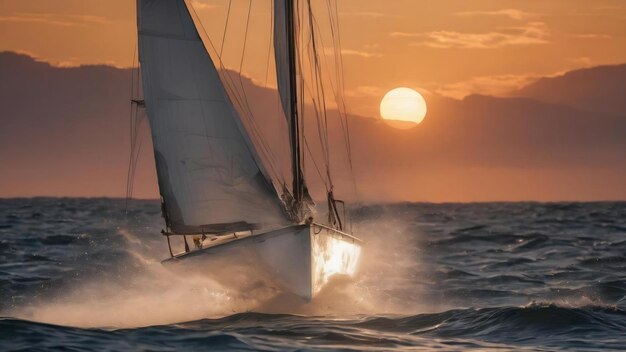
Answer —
(54, 19)
(364, 54)
(368, 14)
(497, 85)
(366, 91)
(510, 13)
(615, 12)
(66, 62)
(584, 61)
(375, 91)
(351, 52)
(199, 5)
(532, 33)
(592, 36)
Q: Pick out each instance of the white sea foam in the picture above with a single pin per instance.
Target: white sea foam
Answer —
(153, 294)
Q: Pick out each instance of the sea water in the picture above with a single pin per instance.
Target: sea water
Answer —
(85, 274)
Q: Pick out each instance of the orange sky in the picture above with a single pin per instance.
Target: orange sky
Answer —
(564, 140)
(451, 47)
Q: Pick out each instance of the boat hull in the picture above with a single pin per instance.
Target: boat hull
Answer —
(300, 258)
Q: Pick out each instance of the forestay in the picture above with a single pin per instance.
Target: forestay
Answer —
(209, 176)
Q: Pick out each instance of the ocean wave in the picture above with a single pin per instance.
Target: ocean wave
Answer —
(507, 276)
(538, 324)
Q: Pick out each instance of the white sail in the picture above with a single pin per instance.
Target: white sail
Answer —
(281, 54)
(209, 178)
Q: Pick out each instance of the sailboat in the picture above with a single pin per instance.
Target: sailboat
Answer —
(214, 182)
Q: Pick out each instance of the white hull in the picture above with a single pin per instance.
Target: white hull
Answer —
(302, 258)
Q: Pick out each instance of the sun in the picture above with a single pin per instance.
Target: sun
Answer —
(403, 108)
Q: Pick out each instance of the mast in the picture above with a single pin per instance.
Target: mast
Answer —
(298, 179)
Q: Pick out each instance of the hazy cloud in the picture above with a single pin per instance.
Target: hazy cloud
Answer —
(592, 36)
(375, 91)
(199, 5)
(367, 14)
(532, 33)
(497, 85)
(352, 52)
(584, 61)
(366, 91)
(365, 54)
(598, 11)
(510, 13)
(54, 19)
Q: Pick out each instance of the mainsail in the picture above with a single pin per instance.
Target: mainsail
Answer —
(210, 177)
(283, 29)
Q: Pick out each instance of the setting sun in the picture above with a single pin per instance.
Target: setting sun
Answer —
(403, 108)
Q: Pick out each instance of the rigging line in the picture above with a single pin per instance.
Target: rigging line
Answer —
(234, 93)
(243, 55)
(318, 81)
(136, 152)
(136, 163)
(331, 22)
(340, 71)
(327, 70)
(334, 35)
(244, 102)
(334, 23)
(335, 49)
(339, 56)
(319, 87)
(341, 74)
(339, 99)
(137, 78)
(228, 81)
(131, 168)
(129, 185)
(319, 129)
(245, 39)
(319, 172)
(343, 93)
(304, 89)
(132, 164)
(222, 66)
(132, 105)
(269, 46)
(254, 130)
(270, 156)
(340, 92)
(338, 40)
(140, 138)
(312, 90)
(315, 107)
(230, 2)
(136, 128)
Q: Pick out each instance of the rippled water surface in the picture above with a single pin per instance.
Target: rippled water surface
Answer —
(80, 274)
